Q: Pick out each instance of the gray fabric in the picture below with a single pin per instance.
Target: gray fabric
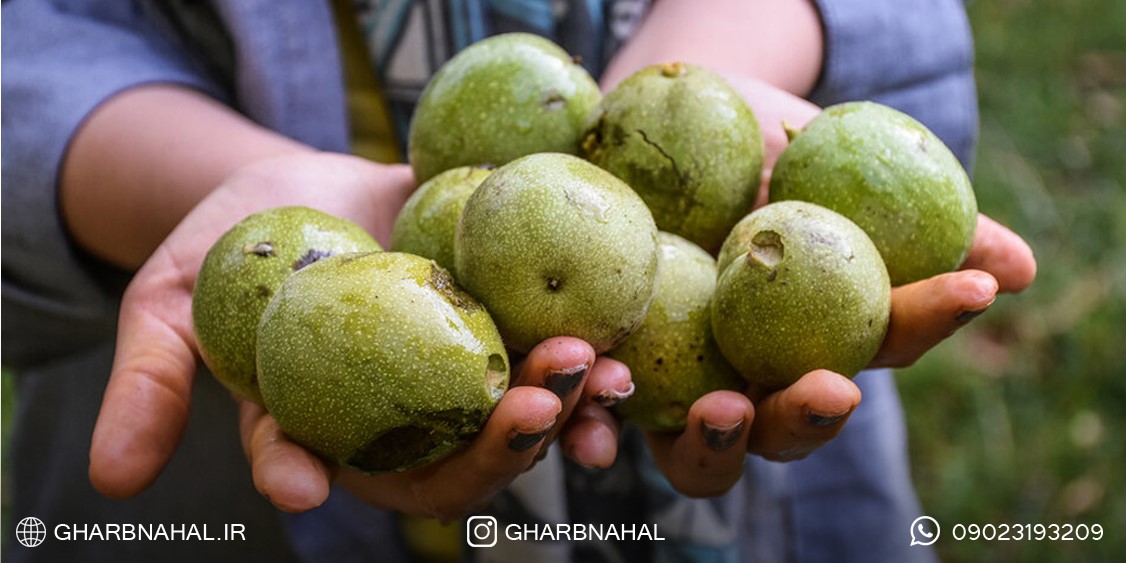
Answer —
(914, 55)
(852, 499)
(60, 61)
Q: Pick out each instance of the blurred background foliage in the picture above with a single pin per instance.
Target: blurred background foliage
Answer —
(1021, 416)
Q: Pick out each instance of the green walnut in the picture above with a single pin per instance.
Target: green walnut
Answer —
(801, 288)
(499, 99)
(687, 142)
(379, 361)
(891, 176)
(555, 246)
(425, 226)
(243, 270)
(672, 356)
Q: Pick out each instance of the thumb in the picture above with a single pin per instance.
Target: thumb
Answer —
(146, 403)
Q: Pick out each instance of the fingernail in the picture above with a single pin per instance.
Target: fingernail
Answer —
(822, 420)
(967, 316)
(563, 382)
(522, 442)
(611, 397)
(721, 438)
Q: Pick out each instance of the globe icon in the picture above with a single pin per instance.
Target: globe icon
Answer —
(31, 532)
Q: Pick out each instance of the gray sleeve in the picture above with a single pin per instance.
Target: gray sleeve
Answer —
(914, 55)
(61, 60)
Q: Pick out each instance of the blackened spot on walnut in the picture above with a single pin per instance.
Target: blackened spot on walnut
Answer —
(553, 284)
(311, 256)
(405, 445)
(263, 291)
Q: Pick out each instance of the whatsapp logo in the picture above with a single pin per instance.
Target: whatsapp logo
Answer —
(924, 531)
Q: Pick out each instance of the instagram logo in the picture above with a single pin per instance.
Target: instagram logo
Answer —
(481, 531)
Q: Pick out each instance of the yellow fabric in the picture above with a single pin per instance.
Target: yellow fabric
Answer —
(373, 135)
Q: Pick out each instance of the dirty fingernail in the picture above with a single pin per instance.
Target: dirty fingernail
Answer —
(967, 316)
(563, 382)
(720, 438)
(522, 442)
(822, 420)
(611, 397)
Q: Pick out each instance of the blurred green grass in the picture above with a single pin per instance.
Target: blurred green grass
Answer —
(7, 414)
(1021, 416)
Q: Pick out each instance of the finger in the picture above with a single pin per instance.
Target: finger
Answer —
(145, 407)
(1002, 253)
(289, 476)
(449, 488)
(590, 437)
(926, 312)
(560, 365)
(791, 423)
(707, 458)
(608, 382)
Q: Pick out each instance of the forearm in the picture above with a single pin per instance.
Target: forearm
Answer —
(776, 41)
(144, 158)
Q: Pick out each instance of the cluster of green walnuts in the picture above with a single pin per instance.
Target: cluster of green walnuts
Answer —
(547, 209)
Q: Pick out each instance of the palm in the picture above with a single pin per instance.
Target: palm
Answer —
(147, 400)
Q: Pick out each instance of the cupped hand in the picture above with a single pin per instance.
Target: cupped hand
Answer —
(145, 407)
(706, 459)
(146, 403)
(928, 311)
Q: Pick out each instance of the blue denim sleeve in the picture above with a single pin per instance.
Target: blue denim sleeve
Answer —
(914, 55)
(61, 60)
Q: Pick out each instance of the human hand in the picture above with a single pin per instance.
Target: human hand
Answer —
(146, 402)
(928, 311)
(553, 394)
(707, 458)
